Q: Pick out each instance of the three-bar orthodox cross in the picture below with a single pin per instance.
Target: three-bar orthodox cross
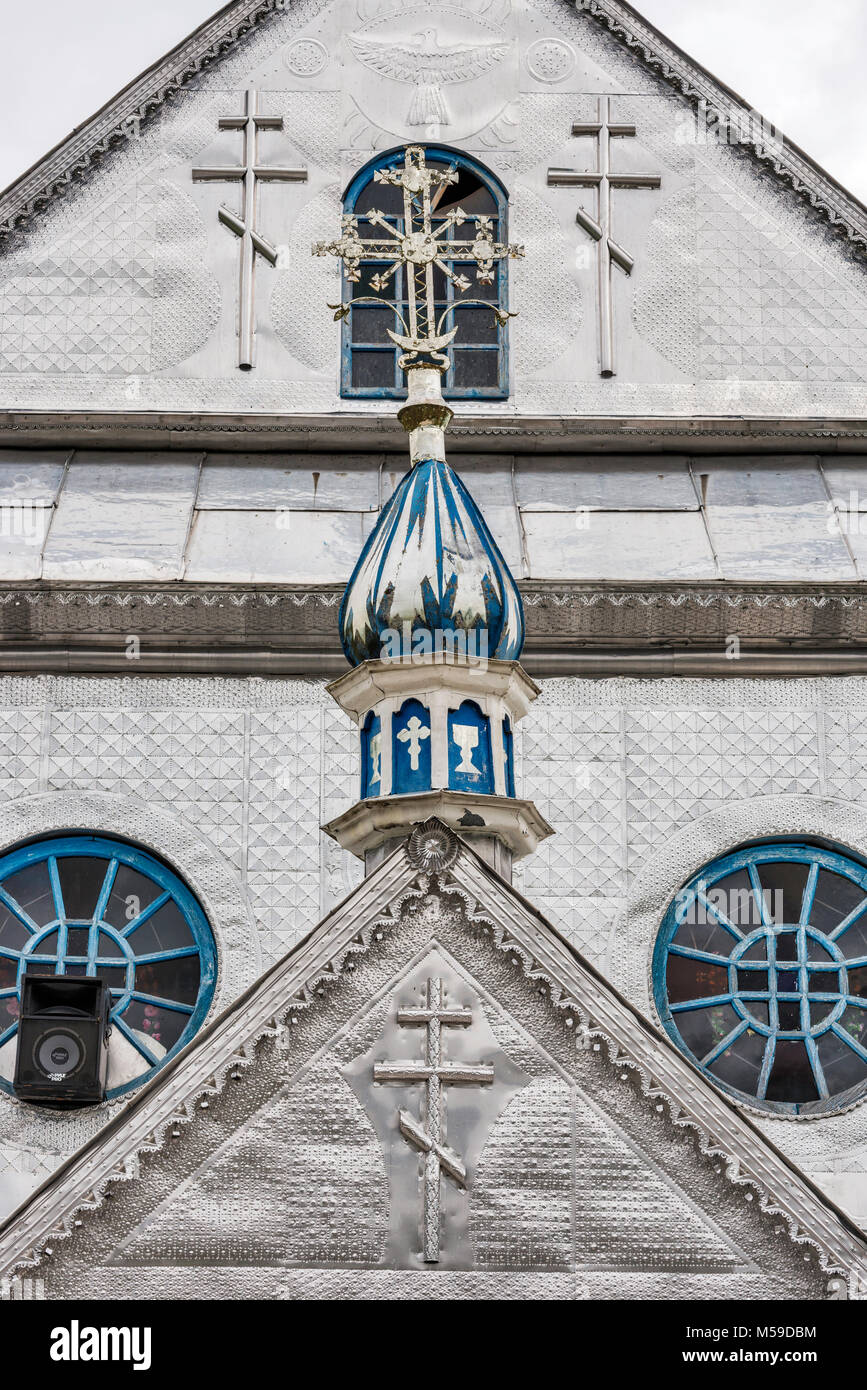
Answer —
(428, 1135)
(420, 244)
(603, 179)
(249, 173)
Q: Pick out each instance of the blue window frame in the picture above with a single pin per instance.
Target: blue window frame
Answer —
(87, 905)
(760, 976)
(478, 362)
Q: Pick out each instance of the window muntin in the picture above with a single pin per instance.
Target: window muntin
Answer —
(478, 360)
(760, 976)
(88, 905)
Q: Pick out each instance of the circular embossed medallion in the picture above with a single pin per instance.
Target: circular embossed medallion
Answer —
(306, 57)
(550, 60)
(432, 846)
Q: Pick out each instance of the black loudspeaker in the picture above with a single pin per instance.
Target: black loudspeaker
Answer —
(63, 1033)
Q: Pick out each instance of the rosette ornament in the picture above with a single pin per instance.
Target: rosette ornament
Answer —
(431, 565)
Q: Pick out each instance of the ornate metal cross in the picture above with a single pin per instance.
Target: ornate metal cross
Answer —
(429, 1136)
(250, 173)
(420, 246)
(603, 179)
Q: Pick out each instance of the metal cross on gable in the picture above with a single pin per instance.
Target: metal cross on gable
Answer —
(421, 244)
(428, 1136)
(249, 173)
(603, 179)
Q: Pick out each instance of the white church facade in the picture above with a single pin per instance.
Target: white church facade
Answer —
(433, 487)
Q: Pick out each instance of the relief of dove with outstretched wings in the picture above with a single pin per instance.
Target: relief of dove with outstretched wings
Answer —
(421, 62)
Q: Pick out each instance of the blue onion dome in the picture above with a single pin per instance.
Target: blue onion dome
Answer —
(431, 562)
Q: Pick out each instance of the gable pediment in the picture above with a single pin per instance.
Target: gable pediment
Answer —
(123, 270)
(293, 1147)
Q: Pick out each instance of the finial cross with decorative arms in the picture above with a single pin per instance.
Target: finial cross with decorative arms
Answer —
(420, 246)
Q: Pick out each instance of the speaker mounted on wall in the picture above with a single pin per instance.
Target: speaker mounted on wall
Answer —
(62, 1057)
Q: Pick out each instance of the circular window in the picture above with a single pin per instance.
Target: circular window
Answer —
(83, 905)
(760, 976)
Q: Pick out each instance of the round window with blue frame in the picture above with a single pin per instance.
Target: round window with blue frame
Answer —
(478, 362)
(760, 976)
(86, 905)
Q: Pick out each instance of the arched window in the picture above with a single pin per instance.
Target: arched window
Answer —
(478, 362)
(760, 976)
(87, 905)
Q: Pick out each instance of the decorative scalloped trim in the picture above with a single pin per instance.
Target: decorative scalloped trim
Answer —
(786, 163)
(589, 1035)
(277, 1027)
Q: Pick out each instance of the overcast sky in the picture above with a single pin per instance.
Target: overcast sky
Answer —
(62, 59)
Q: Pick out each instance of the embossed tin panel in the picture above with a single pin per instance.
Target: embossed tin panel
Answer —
(122, 519)
(302, 482)
(618, 545)
(278, 546)
(770, 520)
(565, 482)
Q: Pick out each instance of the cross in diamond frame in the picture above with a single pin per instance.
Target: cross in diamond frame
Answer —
(428, 1135)
(603, 179)
(420, 245)
(250, 173)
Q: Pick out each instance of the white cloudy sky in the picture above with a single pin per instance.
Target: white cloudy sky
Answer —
(62, 59)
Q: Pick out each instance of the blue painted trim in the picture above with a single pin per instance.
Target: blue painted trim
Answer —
(115, 853)
(773, 989)
(390, 159)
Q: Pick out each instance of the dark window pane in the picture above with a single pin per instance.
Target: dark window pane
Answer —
(734, 897)
(381, 197)
(760, 1012)
(758, 950)
(789, 1015)
(787, 947)
(700, 931)
(109, 948)
(820, 1010)
(783, 886)
(76, 941)
(113, 975)
(165, 931)
(740, 1064)
(373, 370)
(702, 1029)
(858, 981)
(131, 892)
(9, 1011)
(468, 193)
(842, 1067)
(31, 890)
(475, 368)
(161, 1026)
(75, 969)
(369, 324)
(364, 286)
(170, 979)
(751, 980)
(835, 898)
(47, 946)
(854, 1023)
(791, 1076)
(787, 981)
(81, 878)
(853, 941)
(8, 973)
(817, 951)
(13, 934)
(475, 325)
(694, 979)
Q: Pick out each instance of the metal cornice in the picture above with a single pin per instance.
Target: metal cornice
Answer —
(602, 1019)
